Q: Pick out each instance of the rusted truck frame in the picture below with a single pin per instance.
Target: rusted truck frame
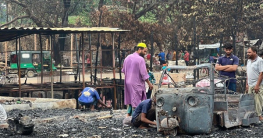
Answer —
(195, 110)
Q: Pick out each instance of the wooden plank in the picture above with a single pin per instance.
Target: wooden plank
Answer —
(105, 117)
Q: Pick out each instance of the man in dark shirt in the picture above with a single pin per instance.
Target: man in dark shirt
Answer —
(227, 65)
(144, 114)
(162, 57)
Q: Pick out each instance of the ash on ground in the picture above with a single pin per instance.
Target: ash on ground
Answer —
(105, 128)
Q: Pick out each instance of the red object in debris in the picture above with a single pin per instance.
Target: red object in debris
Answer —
(166, 80)
(148, 56)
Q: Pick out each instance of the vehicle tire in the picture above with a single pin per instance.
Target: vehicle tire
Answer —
(22, 74)
(30, 73)
(172, 132)
(238, 73)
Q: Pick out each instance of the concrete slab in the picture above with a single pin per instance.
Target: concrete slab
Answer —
(34, 103)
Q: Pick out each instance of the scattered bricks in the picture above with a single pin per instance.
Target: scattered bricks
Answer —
(4, 125)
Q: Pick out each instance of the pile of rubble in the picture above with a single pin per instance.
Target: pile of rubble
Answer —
(16, 101)
(76, 123)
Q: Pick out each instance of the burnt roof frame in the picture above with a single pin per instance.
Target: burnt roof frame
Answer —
(8, 34)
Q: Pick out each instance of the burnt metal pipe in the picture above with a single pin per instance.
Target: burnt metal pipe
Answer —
(96, 62)
(91, 55)
(120, 60)
(61, 58)
(100, 57)
(51, 64)
(119, 55)
(19, 60)
(212, 83)
(18, 64)
(198, 59)
(77, 58)
(113, 57)
(41, 60)
(113, 69)
(83, 64)
(176, 49)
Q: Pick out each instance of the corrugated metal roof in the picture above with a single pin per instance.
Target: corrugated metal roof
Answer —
(7, 34)
(67, 29)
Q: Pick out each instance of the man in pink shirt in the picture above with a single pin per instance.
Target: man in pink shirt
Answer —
(186, 57)
(136, 75)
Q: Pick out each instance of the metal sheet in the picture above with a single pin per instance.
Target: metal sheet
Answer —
(220, 106)
(194, 118)
(7, 34)
(241, 114)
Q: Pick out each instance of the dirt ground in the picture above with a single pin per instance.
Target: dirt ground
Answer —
(72, 127)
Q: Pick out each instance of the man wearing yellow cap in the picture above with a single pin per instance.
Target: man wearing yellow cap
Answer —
(136, 75)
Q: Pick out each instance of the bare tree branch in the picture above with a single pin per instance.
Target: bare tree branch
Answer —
(28, 12)
(74, 7)
(100, 4)
(144, 11)
(15, 19)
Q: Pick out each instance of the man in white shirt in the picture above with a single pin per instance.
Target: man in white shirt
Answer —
(254, 79)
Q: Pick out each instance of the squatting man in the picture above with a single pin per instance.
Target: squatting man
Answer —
(89, 98)
(144, 114)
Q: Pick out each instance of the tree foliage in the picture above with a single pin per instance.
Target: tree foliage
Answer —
(173, 22)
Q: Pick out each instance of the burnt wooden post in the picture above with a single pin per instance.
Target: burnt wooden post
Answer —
(83, 60)
(113, 71)
(41, 58)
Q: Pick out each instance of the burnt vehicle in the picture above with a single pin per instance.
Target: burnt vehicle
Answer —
(195, 105)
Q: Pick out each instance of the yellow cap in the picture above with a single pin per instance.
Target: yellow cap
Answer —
(142, 45)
